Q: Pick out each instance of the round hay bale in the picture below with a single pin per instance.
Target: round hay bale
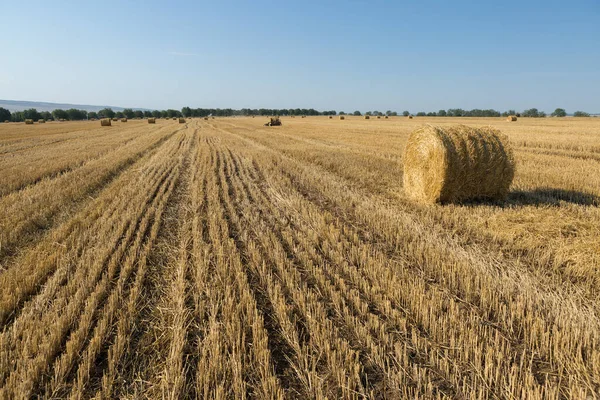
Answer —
(410, 117)
(151, 120)
(115, 119)
(41, 121)
(206, 118)
(330, 117)
(105, 122)
(386, 117)
(182, 120)
(6, 121)
(378, 117)
(511, 118)
(342, 117)
(29, 122)
(458, 163)
(123, 119)
(367, 117)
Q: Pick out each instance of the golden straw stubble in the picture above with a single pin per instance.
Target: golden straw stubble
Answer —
(457, 163)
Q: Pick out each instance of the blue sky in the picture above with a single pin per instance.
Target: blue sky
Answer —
(342, 55)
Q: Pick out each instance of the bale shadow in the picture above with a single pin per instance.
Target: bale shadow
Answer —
(541, 197)
(552, 197)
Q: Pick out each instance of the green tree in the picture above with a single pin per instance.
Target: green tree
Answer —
(106, 113)
(441, 113)
(421, 114)
(138, 114)
(46, 115)
(575, 114)
(128, 112)
(76, 115)
(92, 114)
(32, 113)
(559, 112)
(4, 115)
(60, 114)
(186, 111)
(357, 113)
(156, 114)
(342, 113)
(531, 113)
(405, 113)
(119, 114)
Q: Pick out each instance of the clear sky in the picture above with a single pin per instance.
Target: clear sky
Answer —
(342, 55)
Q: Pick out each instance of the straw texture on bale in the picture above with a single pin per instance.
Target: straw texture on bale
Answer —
(115, 119)
(206, 118)
(511, 118)
(342, 117)
(123, 119)
(386, 117)
(41, 121)
(378, 117)
(151, 120)
(409, 117)
(29, 121)
(105, 122)
(458, 163)
(6, 121)
(330, 117)
(182, 120)
(367, 117)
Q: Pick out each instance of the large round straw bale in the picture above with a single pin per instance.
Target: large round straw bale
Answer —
(342, 117)
(123, 119)
(29, 122)
(6, 121)
(330, 117)
(182, 120)
(452, 164)
(41, 121)
(367, 117)
(105, 122)
(511, 118)
(151, 120)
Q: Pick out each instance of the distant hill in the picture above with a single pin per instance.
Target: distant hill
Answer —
(15, 105)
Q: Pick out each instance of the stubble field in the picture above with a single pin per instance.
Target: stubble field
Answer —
(223, 259)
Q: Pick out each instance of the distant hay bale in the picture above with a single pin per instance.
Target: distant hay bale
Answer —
(511, 118)
(379, 117)
(182, 120)
(6, 121)
(342, 117)
(386, 117)
(29, 121)
(453, 164)
(367, 117)
(151, 120)
(41, 121)
(174, 118)
(123, 119)
(105, 122)
(206, 118)
(115, 119)
(410, 117)
(330, 117)
(304, 116)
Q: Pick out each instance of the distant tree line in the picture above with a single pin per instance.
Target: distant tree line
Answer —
(79, 115)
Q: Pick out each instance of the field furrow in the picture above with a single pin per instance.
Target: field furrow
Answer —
(221, 259)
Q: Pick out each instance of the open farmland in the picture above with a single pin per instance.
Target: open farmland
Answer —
(222, 259)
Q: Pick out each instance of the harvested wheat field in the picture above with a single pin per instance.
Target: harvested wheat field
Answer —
(223, 259)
